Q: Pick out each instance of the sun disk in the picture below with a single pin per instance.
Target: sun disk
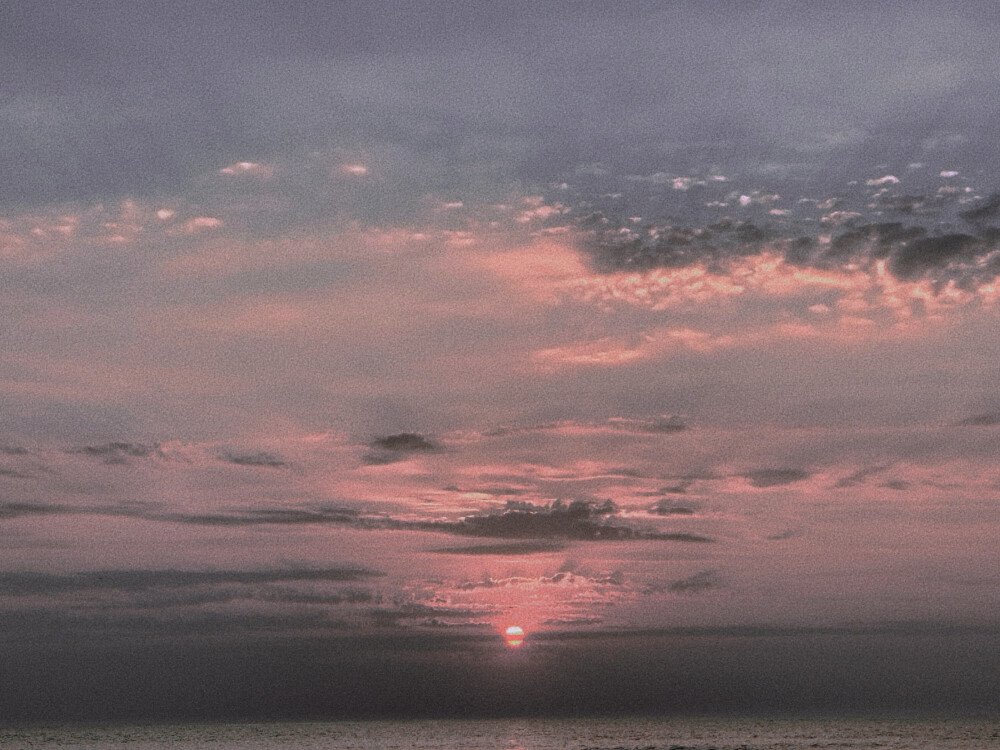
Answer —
(514, 635)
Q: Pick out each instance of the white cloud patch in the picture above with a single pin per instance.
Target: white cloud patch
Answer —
(886, 180)
(248, 168)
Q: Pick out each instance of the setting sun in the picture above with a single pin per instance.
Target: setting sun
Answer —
(514, 635)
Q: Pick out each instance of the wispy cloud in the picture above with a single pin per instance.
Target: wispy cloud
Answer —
(705, 580)
(258, 458)
(577, 520)
(29, 583)
(775, 477)
(120, 452)
(529, 547)
(16, 510)
(391, 448)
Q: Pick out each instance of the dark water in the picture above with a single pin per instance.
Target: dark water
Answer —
(530, 734)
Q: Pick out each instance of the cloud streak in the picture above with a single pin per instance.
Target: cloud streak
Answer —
(30, 583)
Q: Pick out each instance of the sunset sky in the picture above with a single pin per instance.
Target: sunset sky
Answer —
(340, 337)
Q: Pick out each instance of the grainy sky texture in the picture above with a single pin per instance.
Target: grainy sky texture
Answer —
(339, 337)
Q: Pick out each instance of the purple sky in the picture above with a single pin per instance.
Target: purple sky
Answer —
(338, 337)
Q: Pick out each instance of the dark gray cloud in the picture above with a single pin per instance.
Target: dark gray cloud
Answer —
(929, 254)
(776, 477)
(255, 516)
(706, 580)
(670, 508)
(572, 621)
(249, 516)
(861, 476)
(663, 424)
(914, 247)
(875, 240)
(578, 520)
(124, 98)
(614, 246)
(14, 473)
(509, 548)
(541, 526)
(18, 510)
(120, 452)
(420, 613)
(986, 209)
(680, 488)
(121, 98)
(660, 425)
(404, 442)
(392, 448)
(343, 596)
(990, 419)
(265, 459)
(32, 583)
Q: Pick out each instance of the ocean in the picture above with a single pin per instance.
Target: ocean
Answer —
(526, 734)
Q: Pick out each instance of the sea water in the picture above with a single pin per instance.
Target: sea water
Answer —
(526, 734)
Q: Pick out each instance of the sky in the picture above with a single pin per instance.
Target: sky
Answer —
(340, 337)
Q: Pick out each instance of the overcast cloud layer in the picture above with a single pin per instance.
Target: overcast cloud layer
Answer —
(663, 330)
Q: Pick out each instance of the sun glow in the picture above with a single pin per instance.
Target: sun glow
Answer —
(514, 635)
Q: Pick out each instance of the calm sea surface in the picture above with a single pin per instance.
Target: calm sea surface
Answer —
(530, 734)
